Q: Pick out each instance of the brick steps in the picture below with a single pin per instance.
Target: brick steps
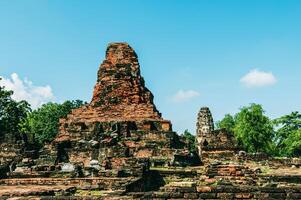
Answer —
(35, 190)
(83, 183)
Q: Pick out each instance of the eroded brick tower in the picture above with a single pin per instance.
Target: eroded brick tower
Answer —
(205, 127)
(121, 124)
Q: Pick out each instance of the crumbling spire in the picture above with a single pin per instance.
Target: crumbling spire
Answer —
(205, 126)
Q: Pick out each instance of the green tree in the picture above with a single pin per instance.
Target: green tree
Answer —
(288, 134)
(190, 139)
(42, 124)
(227, 123)
(293, 144)
(253, 130)
(11, 114)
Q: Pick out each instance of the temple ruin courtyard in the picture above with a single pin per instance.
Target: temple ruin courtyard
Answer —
(119, 147)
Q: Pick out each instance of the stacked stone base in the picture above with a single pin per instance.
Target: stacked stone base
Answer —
(215, 181)
(224, 192)
(120, 147)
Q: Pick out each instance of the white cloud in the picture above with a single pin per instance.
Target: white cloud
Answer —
(26, 90)
(257, 78)
(184, 95)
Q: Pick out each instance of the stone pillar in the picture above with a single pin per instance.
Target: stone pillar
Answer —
(205, 126)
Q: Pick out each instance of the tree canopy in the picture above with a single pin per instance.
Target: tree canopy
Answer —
(11, 114)
(288, 134)
(227, 123)
(253, 129)
(18, 122)
(42, 124)
(190, 139)
(256, 132)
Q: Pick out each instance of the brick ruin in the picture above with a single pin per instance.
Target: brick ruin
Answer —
(205, 127)
(121, 127)
(119, 147)
(213, 144)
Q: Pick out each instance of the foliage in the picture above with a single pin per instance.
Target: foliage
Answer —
(190, 139)
(11, 114)
(255, 132)
(227, 123)
(253, 129)
(42, 124)
(293, 144)
(288, 134)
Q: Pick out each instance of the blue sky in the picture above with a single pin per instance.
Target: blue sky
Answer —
(221, 54)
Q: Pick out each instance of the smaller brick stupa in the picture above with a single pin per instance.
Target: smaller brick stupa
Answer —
(213, 144)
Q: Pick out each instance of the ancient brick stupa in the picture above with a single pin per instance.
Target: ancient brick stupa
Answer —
(121, 88)
(120, 93)
(121, 123)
